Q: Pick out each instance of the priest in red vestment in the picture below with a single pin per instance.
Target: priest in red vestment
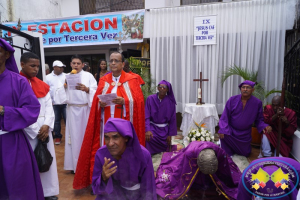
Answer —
(272, 114)
(129, 106)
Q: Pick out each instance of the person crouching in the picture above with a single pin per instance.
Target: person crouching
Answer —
(123, 168)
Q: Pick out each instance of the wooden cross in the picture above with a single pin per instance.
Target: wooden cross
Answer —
(200, 92)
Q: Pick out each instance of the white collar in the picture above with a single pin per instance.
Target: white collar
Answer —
(159, 98)
(116, 79)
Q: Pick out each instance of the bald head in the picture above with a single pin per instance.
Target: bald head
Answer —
(276, 99)
(118, 53)
(276, 103)
(207, 161)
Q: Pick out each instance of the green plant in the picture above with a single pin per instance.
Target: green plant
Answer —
(259, 91)
(150, 85)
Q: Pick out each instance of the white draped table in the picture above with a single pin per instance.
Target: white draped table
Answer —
(205, 113)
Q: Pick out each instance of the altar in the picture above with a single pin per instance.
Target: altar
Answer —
(205, 113)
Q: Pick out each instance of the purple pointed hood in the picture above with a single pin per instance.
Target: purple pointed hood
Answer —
(10, 63)
(170, 90)
(126, 129)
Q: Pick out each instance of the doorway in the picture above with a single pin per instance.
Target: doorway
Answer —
(66, 59)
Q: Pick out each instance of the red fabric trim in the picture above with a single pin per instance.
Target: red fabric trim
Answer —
(91, 141)
(40, 88)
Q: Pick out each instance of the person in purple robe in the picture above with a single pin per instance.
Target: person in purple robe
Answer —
(19, 108)
(270, 187)
(200, 166)
(160, 115)
(123, 168)
(240, 112)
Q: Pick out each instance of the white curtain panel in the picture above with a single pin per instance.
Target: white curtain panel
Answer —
(250, 34)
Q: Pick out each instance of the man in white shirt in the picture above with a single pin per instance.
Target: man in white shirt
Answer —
(56, 81)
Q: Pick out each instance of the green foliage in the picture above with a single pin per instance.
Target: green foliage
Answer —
(235, 70)
(150, 85)
(259, 91)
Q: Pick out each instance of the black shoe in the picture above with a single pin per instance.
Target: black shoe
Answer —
(72, 172)
(51, 198)
(92, 192)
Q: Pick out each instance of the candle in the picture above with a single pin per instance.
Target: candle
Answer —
(199, 93)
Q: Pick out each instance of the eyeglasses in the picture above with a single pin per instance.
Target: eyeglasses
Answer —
(114, 60)
(246, 88)
(162, 87)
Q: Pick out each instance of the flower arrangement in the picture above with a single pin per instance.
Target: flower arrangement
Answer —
(200, 134)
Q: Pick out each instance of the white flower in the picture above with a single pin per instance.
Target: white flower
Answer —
(202, 129)
(198, 134)
(164, 177)
(193, 139)
(207, 134)
(202, 139)
(207, 139)
(212, 138)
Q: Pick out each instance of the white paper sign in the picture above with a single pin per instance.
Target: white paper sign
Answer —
(73, 80)
(107, 98)
(205, 30)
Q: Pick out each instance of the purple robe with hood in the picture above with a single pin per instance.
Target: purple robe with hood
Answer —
(160, 120)
(243, 194)
(179, 171)
(134, 178)
(236, 123)
(19, 174)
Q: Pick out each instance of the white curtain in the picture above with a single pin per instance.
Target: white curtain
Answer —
(250, 34)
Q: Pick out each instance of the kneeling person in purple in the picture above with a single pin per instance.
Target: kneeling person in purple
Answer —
(240, 112)
(200, 166)
(160, 114)
(123, 168)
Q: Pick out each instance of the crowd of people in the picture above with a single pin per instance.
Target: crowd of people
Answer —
(109, 144)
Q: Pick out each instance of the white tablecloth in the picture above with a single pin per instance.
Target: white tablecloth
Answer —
(206, 113)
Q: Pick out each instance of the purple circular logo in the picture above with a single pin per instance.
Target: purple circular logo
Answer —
(270, 178)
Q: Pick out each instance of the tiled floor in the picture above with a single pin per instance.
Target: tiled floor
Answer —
(66, 191)
(66, 178)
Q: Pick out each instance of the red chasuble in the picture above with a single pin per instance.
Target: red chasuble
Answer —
(142, 82)
(40, 88)
(286, 143)
(131, 91)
